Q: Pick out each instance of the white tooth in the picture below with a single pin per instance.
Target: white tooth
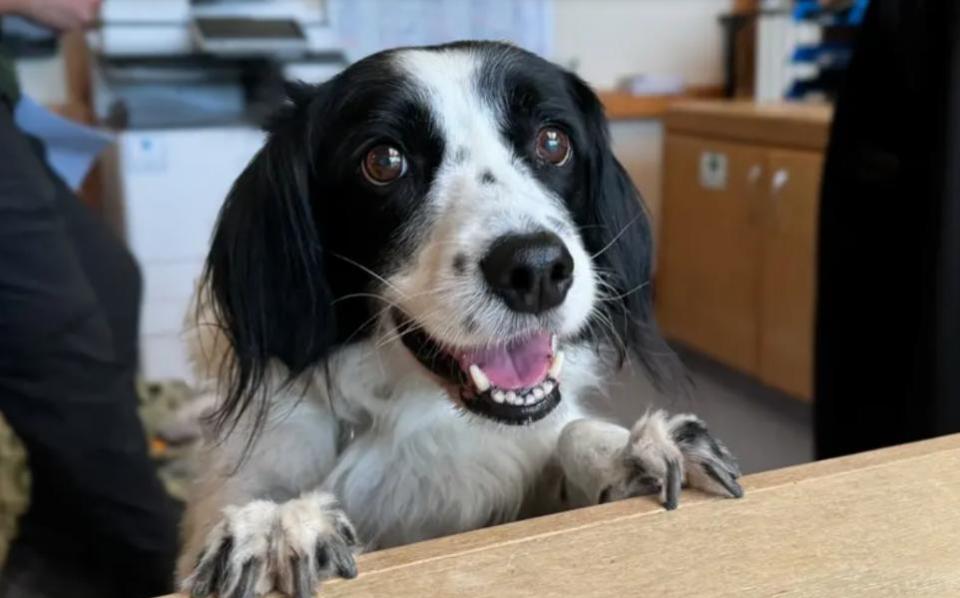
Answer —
(512, 398)
(531, 399)
(498, 396)
(480, 379)
(553, 343)
(556, 366)
(538, 393)
(547, 387)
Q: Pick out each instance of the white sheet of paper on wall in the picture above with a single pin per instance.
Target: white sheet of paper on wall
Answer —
(713, 170)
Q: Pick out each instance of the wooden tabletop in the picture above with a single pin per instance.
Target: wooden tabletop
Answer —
(885, 523)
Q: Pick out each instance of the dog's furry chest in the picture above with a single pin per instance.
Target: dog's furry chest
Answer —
(449, 476)
(418, 467)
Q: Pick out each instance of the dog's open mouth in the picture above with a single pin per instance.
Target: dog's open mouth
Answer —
(515, 383)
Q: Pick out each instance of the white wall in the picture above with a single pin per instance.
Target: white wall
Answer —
(611, 38)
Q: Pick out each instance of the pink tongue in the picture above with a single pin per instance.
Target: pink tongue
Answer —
(520, 364)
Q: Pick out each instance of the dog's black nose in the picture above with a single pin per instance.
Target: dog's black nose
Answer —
(531, 273)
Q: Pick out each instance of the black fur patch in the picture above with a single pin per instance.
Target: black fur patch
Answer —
(487, 178)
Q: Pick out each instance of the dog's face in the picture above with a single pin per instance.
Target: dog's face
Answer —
(460, 199)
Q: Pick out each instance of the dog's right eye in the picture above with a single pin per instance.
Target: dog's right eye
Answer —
(383, 165)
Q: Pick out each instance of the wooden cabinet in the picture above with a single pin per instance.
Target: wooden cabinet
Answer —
(788, 271)
(736, 272)
(707, 279)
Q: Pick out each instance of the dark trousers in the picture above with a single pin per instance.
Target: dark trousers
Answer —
(888, 337)
(99, 523)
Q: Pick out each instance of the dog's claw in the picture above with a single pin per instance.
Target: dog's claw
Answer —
(672, 487)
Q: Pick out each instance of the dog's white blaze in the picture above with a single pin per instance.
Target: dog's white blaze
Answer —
(470, 214)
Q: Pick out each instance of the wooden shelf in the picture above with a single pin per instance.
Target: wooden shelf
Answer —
(620, 105)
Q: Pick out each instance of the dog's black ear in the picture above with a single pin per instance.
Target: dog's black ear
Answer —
(617, 233)
(265, 270)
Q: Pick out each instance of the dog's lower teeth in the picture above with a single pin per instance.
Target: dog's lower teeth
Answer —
(523, 398)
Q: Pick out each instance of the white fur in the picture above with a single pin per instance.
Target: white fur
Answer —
(467, 216)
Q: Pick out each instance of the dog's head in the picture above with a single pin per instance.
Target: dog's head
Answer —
(465, 199)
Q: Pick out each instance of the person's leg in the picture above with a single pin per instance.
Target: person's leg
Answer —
(69, 296)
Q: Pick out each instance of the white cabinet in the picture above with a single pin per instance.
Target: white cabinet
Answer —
(169, 186)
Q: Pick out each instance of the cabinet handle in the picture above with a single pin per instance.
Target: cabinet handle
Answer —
(779, 180)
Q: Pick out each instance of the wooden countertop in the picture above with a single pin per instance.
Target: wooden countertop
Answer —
(884, 523)
(784, 124)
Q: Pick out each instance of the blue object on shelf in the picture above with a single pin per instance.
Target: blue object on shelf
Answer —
(852, 16)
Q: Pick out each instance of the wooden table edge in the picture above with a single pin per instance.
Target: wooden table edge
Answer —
(413, 555)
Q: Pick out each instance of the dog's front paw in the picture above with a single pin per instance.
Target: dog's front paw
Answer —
(664, 452)
(262, 547)
(709, 465)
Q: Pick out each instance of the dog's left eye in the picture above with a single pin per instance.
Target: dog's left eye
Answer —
(553, 146)
(383, 165)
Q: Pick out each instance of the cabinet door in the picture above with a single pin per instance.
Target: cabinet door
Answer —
(707, 290)
(788, 279)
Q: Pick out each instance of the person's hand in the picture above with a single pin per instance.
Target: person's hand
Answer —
(62, 15)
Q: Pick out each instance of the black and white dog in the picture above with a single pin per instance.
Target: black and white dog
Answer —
(410, 289)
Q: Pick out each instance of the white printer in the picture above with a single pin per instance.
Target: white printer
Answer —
(185, 85)
(166, 27)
